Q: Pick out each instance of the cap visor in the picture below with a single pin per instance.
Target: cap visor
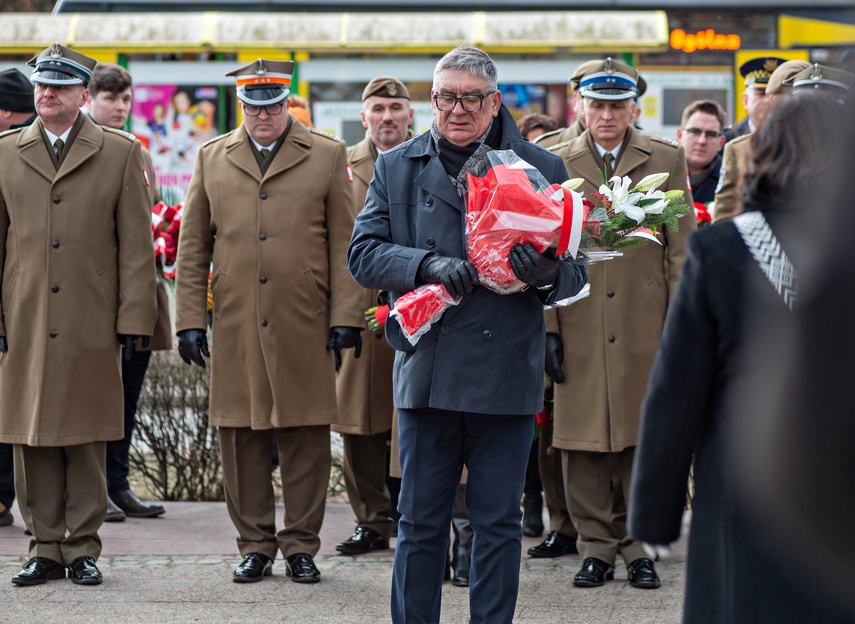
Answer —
(608, 94)
(262, 97)
(53, 77)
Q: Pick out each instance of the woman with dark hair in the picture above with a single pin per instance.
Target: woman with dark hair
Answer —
(734, 269)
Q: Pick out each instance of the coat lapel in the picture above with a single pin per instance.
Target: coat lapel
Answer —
(362, 161)
(295, 150)
(239, 153)
(580, 162)
(433, 179)
(636, 152)
(89, 140)
(32, 150)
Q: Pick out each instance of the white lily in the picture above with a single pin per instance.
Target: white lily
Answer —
(573, 183)
(656, 206)
(674, 194)
(651, 182)
(622, 200)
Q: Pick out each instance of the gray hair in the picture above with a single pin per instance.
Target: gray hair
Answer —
(472, 60)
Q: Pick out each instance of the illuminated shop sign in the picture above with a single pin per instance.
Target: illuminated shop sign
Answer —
(703, 40)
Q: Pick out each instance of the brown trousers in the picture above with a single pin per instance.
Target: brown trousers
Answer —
(597, 496)
(552, 479)
(62, 493)
(365, 480)
(304, 465)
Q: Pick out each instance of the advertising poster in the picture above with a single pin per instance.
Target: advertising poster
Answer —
(172, 121)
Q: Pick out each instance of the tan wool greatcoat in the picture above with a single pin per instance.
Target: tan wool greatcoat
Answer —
(278, 244)
(77, 268)
(734, 161)
(611, 337)
(364, 385)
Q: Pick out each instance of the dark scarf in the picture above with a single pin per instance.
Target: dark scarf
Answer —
(458, 161)
(696, 179)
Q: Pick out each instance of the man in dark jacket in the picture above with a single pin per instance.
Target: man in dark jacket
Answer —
(466, 393)
(700, 134)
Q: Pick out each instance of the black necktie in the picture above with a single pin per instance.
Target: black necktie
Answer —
(58, 145)
(608, 161)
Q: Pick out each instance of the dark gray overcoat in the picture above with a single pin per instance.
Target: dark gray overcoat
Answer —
(484, 355)
(733, 575)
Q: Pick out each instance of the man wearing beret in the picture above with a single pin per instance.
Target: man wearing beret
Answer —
(272, 203)
(737, 152)
(77, 288)
(466, 394)
(613, 334)
(364, 386)
(16, 110)
(755, 73)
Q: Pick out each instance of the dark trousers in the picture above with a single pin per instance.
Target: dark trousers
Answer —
(7, 476)
(118, 451)
(433, 447)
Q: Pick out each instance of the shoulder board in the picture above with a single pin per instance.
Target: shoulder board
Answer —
(546, 135)
(121, 133)
(558, 146)
(217, 138)
(326, 135)
(741, 138)
(12, 131)
(660, 139)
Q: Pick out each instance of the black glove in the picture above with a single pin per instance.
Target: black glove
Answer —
(4, 348)
(127, 341)
(554, 358)
(344, 338)
(533, 268)
(192, 345)
(456, 274)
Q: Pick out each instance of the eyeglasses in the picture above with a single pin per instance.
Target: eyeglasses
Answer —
(697, 132)
(470, 103)
(255, 111)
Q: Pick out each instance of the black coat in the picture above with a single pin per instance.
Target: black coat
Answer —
(732, 575)
(486, 354)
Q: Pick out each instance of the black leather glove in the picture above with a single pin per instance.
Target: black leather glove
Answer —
(192, 345)
(128, 341)
(554, 358)
(456, 274)
(534, 269)
(344, 338)
(4, 348)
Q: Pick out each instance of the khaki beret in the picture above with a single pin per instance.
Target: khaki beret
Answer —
(777, 81)
(385, 86)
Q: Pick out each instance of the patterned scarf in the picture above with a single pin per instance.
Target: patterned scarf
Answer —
(458, 161)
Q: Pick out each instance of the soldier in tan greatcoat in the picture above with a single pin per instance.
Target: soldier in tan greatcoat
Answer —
(78, 273)
(364, 386)
(272, 203)
(610, 337)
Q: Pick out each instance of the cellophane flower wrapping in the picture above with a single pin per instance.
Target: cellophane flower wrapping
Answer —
(165, 225)
(419, 309)
(512, 203)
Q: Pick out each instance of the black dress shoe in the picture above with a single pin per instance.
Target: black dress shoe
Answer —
(83, 571)
(594, 573)
(301, 568)
(133, 507)
(39, 570)
(114, 514)
(6, 517)
(533, 514)
(362, 541)
(642, 574)
(253, 568)
(555, 545)
(460, 568)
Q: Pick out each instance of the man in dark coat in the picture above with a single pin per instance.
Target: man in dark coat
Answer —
(16, 110)
(701, 137)
(466, 393)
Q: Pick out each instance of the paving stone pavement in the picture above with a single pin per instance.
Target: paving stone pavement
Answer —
(177, 569)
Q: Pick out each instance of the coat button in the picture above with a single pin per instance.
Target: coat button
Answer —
(428, 200)
(55, 244)
(445, 329)
(264, 322)
(430, 243)
(611, 338)
(263, 280)
(610, 294)
(52, 333)
(262, 236)
(54, 288)
(486, 334)
(264, 196)
(56, 199)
